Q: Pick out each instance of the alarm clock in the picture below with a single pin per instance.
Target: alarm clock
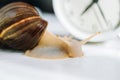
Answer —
(83, 18)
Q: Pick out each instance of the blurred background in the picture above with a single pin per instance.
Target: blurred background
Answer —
(44, 5)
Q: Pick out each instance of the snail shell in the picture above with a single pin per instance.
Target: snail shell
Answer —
(21, 27)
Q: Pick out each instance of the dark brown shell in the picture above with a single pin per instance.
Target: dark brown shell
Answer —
(20, 26)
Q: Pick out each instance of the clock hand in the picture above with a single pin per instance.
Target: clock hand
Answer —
(89, 6)
(101, 12)
(118, 24)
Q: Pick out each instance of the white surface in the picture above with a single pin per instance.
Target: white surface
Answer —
(97, 64)
(100, 62)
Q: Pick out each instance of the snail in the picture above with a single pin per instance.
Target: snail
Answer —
(22, 28)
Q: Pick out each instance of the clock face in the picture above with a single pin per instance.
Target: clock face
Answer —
(90, 16)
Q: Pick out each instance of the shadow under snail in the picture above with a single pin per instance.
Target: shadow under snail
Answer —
(22, 28)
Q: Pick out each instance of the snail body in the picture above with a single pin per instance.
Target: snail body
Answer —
(21, 27)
